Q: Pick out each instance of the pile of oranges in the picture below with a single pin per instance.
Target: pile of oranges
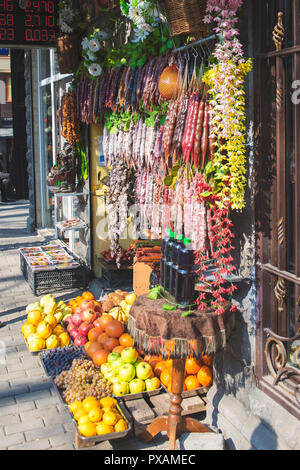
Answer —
(108, 336)
(198, 372)
(97, 417)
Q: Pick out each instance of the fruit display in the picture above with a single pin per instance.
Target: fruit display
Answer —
(82, 380)
(118, 305)
(42, 329)
(129, 373)
(198, 372)
(57, 360)
(98, 417)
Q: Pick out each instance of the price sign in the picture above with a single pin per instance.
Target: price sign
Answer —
(34, 25)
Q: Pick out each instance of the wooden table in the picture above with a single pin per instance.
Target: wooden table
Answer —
(175, 424)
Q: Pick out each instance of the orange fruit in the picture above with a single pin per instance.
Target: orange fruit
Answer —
(76, 405)
(166, 377)
(95, 414)
(79, 413)
(207, 360)
(126, 340)
(108, 402)
(118, 349)
(109, 418)
(78, 299)
(90, 403)
(192, 366)
(169, 363)
(87, 429)
(154, 360)
(87, 296)
(205, 376)
(192, 382)
(121, 425)
(103, 428)
(159, 368)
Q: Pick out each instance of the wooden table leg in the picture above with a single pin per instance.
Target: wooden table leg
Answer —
(175, 424)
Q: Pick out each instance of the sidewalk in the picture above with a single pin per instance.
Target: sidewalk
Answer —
(31, 415)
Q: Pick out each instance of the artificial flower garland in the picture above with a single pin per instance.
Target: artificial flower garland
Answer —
(226, 88)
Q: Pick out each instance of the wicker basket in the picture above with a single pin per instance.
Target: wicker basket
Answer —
(186, 16)
(68, 48)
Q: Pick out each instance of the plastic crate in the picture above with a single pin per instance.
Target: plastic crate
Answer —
(43, 282)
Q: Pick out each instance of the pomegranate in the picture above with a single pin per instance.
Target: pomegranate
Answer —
(86, 304)
(88, 315)
(74, 333)
(80, 340)
(76, 319)
(85, 328)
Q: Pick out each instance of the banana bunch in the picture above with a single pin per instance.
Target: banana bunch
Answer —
(119, 314)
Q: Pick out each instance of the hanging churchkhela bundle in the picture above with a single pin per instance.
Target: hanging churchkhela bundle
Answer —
(69, 121)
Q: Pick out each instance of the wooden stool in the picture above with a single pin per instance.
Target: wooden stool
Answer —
(175, 424)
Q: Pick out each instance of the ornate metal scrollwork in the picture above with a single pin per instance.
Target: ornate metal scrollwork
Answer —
(281, 231)
(280, 293)
(279, 32)
(276, 359)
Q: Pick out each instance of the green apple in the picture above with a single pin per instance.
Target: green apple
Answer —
(129, 355)
(127, 372)
(120, 388)
(137, 386)
(112, 357)
(117, 364)
(114, 380)
(137, 361)
(107, 370)
(152, 384)
(60, 303)
(143, 370)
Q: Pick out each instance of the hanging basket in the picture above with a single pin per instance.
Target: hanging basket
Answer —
(186, 16)
(68, 48)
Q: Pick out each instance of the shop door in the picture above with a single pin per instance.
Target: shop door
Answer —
(277, 154)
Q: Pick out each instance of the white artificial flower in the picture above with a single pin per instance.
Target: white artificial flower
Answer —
(135, 15)
(85, 44)
(90, 56)
(101, 35)
(140, 35)
(95, 70)
(94, 45)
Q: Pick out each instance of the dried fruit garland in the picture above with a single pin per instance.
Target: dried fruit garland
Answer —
(70, 125)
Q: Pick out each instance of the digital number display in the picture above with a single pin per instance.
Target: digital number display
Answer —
(33, 25)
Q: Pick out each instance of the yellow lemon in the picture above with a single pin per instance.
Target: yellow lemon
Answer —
(108, 402)
(36, 344)
(52, 342)
(28, 329)
(121, 425)
(103, 428)
(64, 339)
(110, 418)
(87, 429)
(83, 419)
(79, 413)
(89, 403)
(34, 317)
(95, 414)
(43, 330)
(59, 330)
(76, 405)
(51, 320)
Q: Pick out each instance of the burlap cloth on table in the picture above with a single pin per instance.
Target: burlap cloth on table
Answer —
(151, 327)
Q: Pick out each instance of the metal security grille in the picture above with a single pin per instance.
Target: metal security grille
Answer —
(276, 31)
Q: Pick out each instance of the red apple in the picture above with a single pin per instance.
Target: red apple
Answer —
(88, 315)
(74, 333)
(70, 327)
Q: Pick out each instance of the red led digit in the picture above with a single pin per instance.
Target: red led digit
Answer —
(50, 21)
(2, 19)
(28, 20)
(37, 20)
(36, 5)
(28, 34)
(2, 34)
(6, 5)
(28, 5)
(10, 20)
(44, 35)
(50, 7)
(51, 34)
(10, 34)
